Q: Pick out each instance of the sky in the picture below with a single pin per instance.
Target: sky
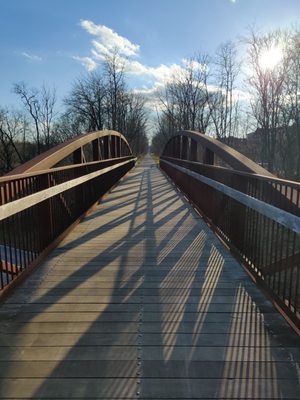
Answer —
(56, 41)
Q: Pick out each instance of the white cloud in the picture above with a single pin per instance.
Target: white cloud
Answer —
(99, 51)
(163, 73)
(87, 62)
(31, 57)
(195, 65)
(151, 79)
(110, 40)
(151, 90)
(107, 41)
(152, 94)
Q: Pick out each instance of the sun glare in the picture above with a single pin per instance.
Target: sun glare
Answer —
(270, 57)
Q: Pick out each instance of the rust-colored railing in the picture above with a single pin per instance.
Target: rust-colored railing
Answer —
(257, 216)
(38, 208)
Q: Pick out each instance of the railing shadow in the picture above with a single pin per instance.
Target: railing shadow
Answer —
(186, 318)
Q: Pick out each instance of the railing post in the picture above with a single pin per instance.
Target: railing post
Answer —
(180, 147)
(116, 147)
(238, 221)
(96, 152)
(45, 213)
(119, 141)
(184, 147)
(123, 149)
(173, 148)
(110, 146)
(106, 152)
(208, 157)
(113, 146)
(193, 150)
(78, 156)
(188, 152)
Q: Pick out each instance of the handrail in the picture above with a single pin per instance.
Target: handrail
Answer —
(8, 178)
(263, 177)
(278, 215)
(257, 217)
(19, 205)
(40, 203)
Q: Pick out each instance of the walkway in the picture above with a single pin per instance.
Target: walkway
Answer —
(142, 301)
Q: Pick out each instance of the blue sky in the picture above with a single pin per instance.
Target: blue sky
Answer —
(56, 41)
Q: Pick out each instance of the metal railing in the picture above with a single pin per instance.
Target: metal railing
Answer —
(257, 216)
(36, 210)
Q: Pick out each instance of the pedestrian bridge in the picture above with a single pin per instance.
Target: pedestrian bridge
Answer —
(181, 283)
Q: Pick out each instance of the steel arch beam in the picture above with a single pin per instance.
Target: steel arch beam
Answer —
(53, 156)
(232, 157)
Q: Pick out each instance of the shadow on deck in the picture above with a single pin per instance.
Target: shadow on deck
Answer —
(142, 301)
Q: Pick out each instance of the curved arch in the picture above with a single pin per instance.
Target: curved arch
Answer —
(176, 148)
(58, 153)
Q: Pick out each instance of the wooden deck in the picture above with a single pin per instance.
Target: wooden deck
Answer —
(142, 301)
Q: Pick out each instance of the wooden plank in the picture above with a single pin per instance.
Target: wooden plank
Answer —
(152, 369)
(102, 284)
(151, 388)
(135, 316)
(70, 369)
(138, 290)
(142, 301)
(147, 327)
(134, 299)
(253, 339)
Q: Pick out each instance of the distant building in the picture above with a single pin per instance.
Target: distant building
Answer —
(286, 154)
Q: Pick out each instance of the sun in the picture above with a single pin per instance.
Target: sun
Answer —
(270, 57)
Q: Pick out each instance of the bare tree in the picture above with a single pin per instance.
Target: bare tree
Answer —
(30, 100)
(41, 107)
(136, 123)
(87, 101)
(67, 126)
(291, 109)
(6, 148)
(114, 69)
(14, 140)
(185, 99)
(47, 113)
(223, 105)
(267, 86)
(102, 101)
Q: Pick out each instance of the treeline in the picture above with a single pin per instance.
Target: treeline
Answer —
(203, 96)
(97, 101)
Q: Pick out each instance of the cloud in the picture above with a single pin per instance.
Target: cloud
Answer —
(108, 40)
(99, 51)
(162, 73)
(31, 57)
(148, 80)
(152, 94)
(195, 65)
(87, 62)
